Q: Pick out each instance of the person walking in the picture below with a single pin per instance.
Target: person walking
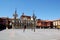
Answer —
(24, 28)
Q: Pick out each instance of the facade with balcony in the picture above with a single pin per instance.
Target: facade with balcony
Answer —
(44, 23)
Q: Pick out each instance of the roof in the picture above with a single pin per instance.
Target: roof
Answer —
(26, 16)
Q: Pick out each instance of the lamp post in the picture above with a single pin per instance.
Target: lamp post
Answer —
(15, 16)
(34, 21)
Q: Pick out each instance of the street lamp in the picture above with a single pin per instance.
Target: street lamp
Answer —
(15, 16)
(34, 21)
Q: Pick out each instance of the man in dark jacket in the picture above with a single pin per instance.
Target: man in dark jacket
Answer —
(24, 28)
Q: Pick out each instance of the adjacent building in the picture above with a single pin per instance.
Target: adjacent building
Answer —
(56, 23)
(44, 24)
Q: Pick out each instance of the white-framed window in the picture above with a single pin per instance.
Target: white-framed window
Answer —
(24, 18)
(58, 22)
(12, 20)
(54, 23)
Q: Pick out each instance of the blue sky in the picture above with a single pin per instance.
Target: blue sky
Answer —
(43, 9)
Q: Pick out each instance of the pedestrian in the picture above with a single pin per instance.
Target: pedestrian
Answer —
(24, 28)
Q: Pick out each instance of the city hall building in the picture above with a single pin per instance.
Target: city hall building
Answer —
(24, 20)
